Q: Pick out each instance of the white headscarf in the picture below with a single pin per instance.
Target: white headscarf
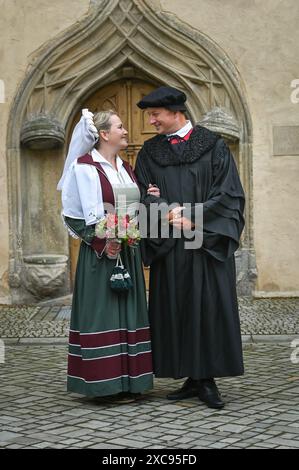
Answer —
(84, 138)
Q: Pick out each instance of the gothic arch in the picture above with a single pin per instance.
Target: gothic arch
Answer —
(114, 39)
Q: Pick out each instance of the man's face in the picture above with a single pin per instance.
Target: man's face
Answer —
(164, 120)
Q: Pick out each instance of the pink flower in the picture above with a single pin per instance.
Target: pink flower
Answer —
(112, 221)
(125, 221)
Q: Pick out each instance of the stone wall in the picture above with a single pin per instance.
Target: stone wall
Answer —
(25, 26)
(261, 39)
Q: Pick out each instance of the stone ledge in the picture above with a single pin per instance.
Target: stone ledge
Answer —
(259, 319)
(246, 340)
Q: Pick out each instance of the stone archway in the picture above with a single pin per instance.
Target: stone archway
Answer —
(118, 39)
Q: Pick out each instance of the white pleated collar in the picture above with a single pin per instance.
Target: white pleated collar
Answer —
(97, 157)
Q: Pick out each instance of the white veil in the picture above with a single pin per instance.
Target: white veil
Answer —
(84, 138)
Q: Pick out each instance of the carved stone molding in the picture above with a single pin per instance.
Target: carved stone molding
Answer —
(44, 275)
(223, 122)
(42, 132)
(246, 271)
(116, 37)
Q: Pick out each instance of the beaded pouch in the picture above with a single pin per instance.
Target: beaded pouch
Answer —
(120, 280)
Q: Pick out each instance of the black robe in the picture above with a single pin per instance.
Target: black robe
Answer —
(193, 306)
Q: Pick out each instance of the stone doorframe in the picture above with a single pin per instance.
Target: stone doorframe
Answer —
(117, 39)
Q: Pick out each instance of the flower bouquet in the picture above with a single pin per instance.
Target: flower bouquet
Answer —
(120, 228)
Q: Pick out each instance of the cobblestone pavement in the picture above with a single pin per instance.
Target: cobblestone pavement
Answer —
(36, 411)
(259, 317)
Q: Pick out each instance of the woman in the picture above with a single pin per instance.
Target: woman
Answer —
(109, 347)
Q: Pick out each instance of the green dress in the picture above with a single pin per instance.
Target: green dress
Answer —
(109, 343)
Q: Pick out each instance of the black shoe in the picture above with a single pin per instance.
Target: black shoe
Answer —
(188, 390)
(122, 398)
(209, 394)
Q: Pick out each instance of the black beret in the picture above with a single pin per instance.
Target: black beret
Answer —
(164, 97)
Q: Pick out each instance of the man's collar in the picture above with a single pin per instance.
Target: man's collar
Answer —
(183, 131)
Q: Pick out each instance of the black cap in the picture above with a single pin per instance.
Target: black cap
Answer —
(164, 97)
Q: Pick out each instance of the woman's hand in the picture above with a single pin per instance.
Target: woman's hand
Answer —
(112, 249)
(153, 190)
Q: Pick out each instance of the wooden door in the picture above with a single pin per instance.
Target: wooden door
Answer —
(121, 96)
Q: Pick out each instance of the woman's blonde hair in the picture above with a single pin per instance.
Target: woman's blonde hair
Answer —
(102, 121)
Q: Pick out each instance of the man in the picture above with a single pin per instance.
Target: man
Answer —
(193, 305)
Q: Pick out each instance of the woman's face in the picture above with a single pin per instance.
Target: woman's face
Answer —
(117, 135)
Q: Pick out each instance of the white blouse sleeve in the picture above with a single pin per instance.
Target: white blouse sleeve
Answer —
(90, 192)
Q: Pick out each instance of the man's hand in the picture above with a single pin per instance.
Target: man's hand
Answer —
(176, 220)
(182, 223)
(175, 214)
(153, 190)
(112, 249)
